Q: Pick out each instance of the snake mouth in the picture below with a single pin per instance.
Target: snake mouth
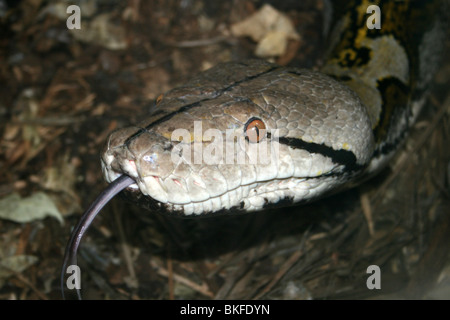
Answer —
(249, 197)
(114, 175)
(209, 192)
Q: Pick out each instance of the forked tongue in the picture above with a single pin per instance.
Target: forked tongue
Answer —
(70, 256)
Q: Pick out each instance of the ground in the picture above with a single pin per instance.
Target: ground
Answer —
(62, 93)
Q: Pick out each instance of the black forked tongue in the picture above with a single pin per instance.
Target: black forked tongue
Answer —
(70, 256)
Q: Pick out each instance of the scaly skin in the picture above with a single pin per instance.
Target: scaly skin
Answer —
(328, 133)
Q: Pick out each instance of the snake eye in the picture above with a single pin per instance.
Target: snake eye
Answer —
(255, 130)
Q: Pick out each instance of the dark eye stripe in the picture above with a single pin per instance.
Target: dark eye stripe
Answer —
(342, 157)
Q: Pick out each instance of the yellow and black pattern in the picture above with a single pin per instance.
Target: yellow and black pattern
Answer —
(389, 67)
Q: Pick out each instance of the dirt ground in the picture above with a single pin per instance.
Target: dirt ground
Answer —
(62, 91)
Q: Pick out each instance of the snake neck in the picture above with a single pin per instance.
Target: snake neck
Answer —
(388, 58)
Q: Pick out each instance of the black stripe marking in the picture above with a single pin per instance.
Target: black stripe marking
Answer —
(295, 72)
(343, 157)
(162, 119)
(390, 147)
(341, 78)
(197, 103)
(395, 97)
(285, 202)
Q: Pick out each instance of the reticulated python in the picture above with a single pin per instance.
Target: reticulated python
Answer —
(244, 136)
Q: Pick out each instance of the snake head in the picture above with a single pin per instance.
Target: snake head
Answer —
(306, 132)
(180, 173)
(134, 151)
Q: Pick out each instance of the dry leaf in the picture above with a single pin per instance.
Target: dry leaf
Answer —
(34, 207)
(270, 28)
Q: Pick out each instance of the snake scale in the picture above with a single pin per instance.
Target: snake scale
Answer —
(317, 131)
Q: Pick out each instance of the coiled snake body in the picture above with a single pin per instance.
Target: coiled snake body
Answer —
(324, 130)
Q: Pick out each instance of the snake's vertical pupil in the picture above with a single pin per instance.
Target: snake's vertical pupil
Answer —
(255, 130)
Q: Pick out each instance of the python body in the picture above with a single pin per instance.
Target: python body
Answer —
(327, 130)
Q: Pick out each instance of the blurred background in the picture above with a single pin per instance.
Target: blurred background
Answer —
(62, 91)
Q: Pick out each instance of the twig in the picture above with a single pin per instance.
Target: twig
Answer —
(203, 289)
(50, 121)
(199, 43)
(170, 278)
(367, 210)
(133, 281)
(27, 282)
(284, 268)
